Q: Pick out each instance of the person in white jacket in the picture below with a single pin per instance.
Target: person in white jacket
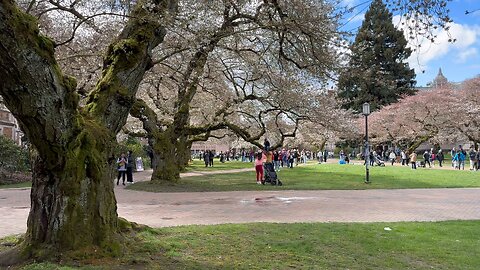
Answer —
(392, 157)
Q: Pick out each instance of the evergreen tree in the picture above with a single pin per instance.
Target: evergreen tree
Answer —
(377, 71)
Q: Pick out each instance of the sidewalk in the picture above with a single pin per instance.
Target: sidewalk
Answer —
(173, 209)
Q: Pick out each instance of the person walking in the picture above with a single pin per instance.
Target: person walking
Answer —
(206, 158)
(291, 159)
(211, 155)
(403, 157)
(371, 158)
(130, 165)
(413, 160)
(259, 168)
(461, 159)
(432, 158)
(122, 168)
(472, 155)
(440, 157)
(456, 160)
(478, 160)
(320, 156)
(453, 152)
(276, 160)
(392, 157)
(426, 159)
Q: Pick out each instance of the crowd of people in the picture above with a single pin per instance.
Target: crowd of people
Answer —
(428, 158)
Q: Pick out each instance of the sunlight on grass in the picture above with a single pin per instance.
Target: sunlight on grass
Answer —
(409, 245)
(324, 177)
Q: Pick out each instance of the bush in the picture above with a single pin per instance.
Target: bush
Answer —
(14, 163)
(13, 157)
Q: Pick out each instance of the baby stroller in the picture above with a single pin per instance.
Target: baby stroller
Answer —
(270, 176)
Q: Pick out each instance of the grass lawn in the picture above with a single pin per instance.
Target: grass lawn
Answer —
(198, 165)
(19, 185)
(425, 245)
(324, 176)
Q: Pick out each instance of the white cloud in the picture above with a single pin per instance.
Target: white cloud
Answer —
(426, 51)
(463, 56)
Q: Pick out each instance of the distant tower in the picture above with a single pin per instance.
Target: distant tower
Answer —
(440, 81)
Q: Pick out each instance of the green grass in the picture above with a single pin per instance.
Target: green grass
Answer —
(197, 165)
(324, 177)
(412, 245)
(19, 185)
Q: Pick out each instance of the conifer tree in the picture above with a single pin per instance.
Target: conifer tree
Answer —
(377, 71)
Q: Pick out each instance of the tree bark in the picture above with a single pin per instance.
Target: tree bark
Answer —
(165, 164)
(72, 201)
(412, 146)
(73, 205)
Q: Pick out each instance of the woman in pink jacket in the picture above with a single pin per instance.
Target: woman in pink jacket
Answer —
(259, 168)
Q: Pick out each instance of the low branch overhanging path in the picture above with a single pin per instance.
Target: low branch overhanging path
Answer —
(186, 208)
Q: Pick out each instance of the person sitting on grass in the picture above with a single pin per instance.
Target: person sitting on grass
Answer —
(259, 168)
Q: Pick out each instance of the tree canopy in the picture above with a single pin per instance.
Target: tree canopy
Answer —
(377, 71)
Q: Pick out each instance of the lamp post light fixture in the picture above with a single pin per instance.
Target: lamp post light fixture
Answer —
(366, 112)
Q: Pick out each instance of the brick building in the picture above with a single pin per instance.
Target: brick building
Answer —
(9, 125)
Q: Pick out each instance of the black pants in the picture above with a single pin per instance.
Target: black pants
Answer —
(440, 162)
(427, 162)
(129, 174)
(211, 162)
(121, 174)
(414, 165)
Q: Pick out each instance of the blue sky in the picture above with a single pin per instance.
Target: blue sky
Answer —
(459, 60)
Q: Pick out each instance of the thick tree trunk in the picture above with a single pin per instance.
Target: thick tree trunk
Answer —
(73, 206)
(167, 147)
(72, 201)
(164, 154)
(184, 146)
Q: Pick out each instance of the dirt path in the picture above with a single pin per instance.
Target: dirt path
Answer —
(173, 209)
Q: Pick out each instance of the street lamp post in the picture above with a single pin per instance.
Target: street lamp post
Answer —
(366, 112)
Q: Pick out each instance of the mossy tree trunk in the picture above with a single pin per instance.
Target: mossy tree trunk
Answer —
(164, 144)
(72, 202)
(73, 205)
(170, 142)
(170, 146)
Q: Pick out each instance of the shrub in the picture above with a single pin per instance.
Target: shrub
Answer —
(13, 157)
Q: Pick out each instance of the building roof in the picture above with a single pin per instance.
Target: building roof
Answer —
(440, 80)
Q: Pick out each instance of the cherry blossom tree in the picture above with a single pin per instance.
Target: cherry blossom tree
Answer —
(414, 119)
(466, 110)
